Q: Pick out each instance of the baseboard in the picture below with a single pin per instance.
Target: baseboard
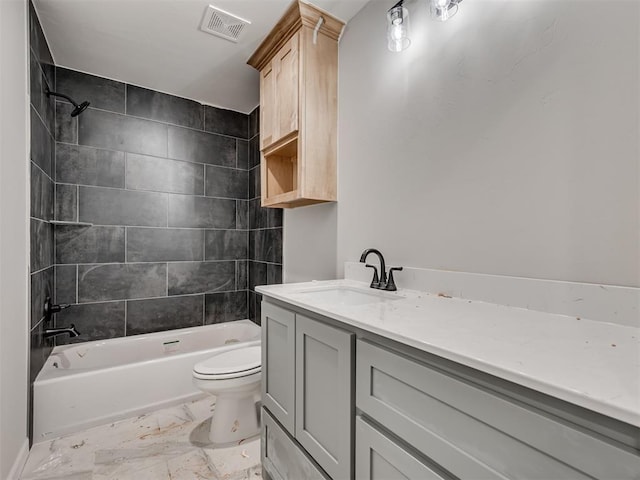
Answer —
(21, 459)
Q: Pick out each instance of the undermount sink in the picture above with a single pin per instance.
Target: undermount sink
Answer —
(346, 296)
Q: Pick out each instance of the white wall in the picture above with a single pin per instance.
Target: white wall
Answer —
(309, 243)
(14, 235)
(504, 141)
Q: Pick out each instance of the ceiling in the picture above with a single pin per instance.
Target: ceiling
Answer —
(158, 44)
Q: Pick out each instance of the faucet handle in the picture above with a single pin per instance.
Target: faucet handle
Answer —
(376, 281)
(391, 284)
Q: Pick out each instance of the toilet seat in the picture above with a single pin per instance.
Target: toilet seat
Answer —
(239, 362)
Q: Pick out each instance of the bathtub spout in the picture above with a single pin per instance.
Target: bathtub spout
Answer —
(52, 332)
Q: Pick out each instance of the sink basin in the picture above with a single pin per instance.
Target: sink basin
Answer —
(346, 296)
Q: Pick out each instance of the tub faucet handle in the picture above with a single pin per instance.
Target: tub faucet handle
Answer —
(50, 308)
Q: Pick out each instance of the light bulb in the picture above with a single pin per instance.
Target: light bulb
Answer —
(398, 29)
(443, 9)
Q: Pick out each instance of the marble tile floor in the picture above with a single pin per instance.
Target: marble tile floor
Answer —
(168, 444)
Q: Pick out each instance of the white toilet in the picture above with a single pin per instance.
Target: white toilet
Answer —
(233, 377)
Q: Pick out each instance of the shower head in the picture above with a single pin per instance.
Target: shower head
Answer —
(77, 110)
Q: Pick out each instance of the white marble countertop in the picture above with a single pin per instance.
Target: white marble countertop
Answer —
(592, 364)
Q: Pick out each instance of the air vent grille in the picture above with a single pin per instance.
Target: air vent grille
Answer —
(223, 24)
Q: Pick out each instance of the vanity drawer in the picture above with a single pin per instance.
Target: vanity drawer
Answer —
(281, 457)
(380, 458)
(474, 433)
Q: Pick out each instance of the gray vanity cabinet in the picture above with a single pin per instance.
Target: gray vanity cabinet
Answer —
(374, 409)
(472, 432)
(307, 389)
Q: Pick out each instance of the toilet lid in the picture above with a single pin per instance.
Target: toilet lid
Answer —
(243, 360)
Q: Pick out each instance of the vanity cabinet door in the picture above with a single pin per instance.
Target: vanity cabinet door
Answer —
(282, 459)
(474, 433)
(380, 458)
(278, 364)
(324, 425)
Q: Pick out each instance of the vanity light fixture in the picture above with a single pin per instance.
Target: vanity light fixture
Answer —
(443, 10)
(398, 28)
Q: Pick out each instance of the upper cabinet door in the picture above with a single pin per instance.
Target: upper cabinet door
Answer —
(287, 88)
(267, 104)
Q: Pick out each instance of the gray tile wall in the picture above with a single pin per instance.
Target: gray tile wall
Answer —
(42, 188)
(265, 228)
(165, 181)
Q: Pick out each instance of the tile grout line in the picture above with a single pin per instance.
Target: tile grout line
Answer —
(168, 262)
(44, 124)
(43, 172)
(158, 157)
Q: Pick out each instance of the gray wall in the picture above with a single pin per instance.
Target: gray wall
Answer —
(42, 75)
(504, 141)
(14, 235)
(165, 183)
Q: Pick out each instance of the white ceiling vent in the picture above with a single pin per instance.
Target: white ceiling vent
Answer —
(223, 24)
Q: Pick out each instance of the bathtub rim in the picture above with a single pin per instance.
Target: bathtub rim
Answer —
(48, 373)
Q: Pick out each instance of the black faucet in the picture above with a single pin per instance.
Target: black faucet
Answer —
(382, 282)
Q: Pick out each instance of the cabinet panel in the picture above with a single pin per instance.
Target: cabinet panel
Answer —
(379, 458)
(281, 457)
(278, 364)
(287, 91)
(323, 395)
(473, 433)
(267, 105)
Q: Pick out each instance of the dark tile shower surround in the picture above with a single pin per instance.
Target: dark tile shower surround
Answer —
(177, 239)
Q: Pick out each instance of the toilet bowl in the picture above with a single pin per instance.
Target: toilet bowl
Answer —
(234, 378)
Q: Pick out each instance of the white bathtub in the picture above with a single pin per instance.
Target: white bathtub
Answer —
(92, 383)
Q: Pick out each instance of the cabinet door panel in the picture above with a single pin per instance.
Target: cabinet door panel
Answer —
(323, 395)
(281, 457)
(287, 90)
(267, 105)
(379, 458)
(473, 433)
(278, 363)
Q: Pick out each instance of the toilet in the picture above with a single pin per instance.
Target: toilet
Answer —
(233, 377)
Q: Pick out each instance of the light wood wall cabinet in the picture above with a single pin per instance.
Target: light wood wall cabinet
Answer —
(298, 64)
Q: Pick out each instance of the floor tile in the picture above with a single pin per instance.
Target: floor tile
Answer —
(172, 443)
